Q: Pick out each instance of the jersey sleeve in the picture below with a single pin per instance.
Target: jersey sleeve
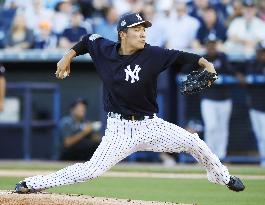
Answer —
(87, 44)
(169, 57)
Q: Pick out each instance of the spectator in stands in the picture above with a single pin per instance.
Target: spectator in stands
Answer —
(20, 4)
(257, 100)
(181, 29)
(223, 10)
(245, 32)
(210, 26)
(107, 27)
(37, 13)
(45, 39)
(123, 6)
(6, 19)
(236, 11)
(158, 26)
(62, 16)
(80, 137)
(198, 7)
(164, 8)
(100, 5)
(86, 8)
(2, 87)
(216, 103)
(73, 34)
(19, 37)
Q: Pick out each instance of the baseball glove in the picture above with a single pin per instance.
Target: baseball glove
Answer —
(197, 81)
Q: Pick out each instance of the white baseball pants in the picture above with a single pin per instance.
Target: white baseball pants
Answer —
(216, 117)
(257, 119)
(124, 137)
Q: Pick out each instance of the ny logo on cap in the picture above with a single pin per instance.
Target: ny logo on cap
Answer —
(139, 17)
(123, 23)
(133, 74)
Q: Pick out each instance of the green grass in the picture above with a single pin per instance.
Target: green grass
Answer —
(197, 191)
(236, 170)
(32, 165)
(193, 168)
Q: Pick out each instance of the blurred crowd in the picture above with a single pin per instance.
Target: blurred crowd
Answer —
(239, 25)
(217, 29)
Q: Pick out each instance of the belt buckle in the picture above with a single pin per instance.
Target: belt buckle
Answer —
(132, 117)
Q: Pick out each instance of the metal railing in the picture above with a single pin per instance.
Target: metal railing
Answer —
(26, 89)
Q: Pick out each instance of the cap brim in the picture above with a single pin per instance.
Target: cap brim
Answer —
(145, 23)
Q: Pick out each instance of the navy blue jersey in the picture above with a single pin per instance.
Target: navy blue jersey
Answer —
(130, 81)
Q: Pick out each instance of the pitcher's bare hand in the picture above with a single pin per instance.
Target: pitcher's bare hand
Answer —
(63, 66)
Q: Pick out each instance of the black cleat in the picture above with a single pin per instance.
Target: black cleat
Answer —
(235, 184)
(21, 188)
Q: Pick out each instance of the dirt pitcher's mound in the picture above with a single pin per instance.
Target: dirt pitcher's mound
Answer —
(9, 198)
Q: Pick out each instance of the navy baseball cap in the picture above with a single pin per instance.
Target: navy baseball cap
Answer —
(130, 20)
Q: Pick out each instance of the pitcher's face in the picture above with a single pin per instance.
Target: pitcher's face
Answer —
(135, 37)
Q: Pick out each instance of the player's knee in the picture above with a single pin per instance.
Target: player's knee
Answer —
(195, 142)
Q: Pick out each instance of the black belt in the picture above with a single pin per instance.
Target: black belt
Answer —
(130, 117)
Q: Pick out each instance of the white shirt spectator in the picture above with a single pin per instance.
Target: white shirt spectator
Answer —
(36, 14)
(21, 4)
(60, 22)
(122, 6)
(164, 5)
(155, 35)
(252, 32)
(181, 32)
(62, 16)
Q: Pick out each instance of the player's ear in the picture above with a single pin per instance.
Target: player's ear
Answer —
(122, 34)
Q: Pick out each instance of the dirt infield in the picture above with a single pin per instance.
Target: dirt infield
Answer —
(9, 198)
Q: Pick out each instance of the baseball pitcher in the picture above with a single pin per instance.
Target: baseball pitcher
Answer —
(129, 69)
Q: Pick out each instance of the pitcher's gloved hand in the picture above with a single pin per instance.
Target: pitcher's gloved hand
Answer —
(197, 81)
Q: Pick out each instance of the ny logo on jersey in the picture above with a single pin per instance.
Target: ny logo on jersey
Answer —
(133, 74)
(139, 17)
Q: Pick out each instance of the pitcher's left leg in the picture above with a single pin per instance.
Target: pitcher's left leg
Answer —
(171, 138)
